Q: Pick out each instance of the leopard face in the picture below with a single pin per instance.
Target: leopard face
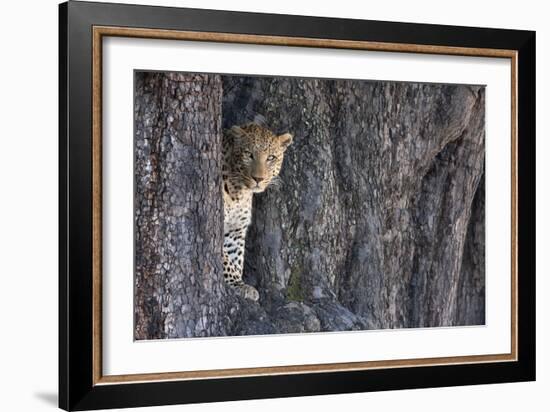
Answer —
(253, 156)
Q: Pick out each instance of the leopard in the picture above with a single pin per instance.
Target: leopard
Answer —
(252, 159)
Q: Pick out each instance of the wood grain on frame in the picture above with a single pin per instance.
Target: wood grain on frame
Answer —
(100, 31)
(97, 232)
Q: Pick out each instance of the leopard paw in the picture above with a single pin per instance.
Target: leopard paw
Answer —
(248, 292)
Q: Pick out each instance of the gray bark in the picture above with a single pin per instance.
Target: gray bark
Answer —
(369, 226)
(471, 285)
(179, 288)
(378, 223)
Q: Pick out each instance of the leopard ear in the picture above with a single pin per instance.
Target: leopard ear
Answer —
(236, 131)
(285, 140)
(234, 134)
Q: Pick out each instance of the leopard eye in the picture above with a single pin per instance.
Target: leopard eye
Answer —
(248, 154)
(271, 158)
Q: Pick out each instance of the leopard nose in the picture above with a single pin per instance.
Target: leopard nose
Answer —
(258, 179)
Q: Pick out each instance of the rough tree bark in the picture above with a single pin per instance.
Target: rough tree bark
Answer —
(471, 286)
(372, 226)
(378, 222)
(179, 287)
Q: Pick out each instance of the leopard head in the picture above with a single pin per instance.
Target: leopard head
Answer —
(253, 156)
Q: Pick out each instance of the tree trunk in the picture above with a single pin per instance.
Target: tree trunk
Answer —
(179, 290)
(378, 222)
(369, 226)
(471, 286)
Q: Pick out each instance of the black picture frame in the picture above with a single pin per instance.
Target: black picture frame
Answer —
(77, 390)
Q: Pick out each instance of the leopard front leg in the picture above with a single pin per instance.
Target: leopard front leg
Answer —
(233, 259)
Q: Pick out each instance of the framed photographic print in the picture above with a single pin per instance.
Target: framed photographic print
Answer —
(257, 205)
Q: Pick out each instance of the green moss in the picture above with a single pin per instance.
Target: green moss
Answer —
(294, 291)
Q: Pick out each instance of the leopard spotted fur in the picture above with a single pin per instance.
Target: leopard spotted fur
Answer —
(252, 159)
